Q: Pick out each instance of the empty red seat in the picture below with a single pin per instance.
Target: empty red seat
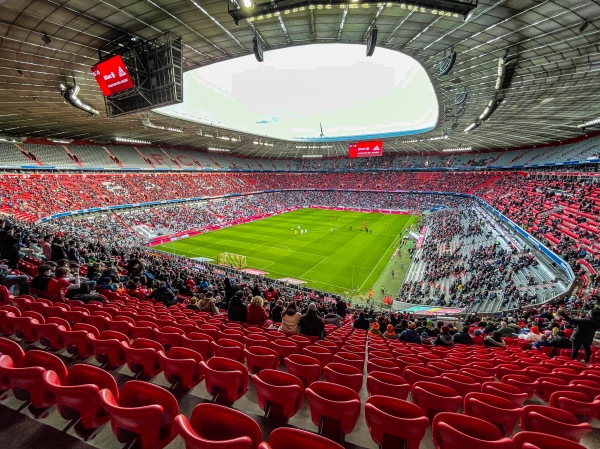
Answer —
(394, 423)
(142, 410)
(121, 324)
(77, 340)
(537, 440)
(304, 367)
(441, 368)
(77, 395)
(198, 342)
(258, 358)
(142, 357)
(253, 339)
(301, 341)
(181, 367)
(50, 333)
(416, 373)
(108, 348)
(24, 325)
(321, 354)
(12, 349)
(7, 312)
(26, 378)
(456, 431)
(387, 384)
(341, 374)
(476, 374)
(547, 385)
(334, 409)
(589, 387)
(434, 398)
(279, 394)
(522, 382)
(384, 365)
(499, 411)
(213, 426)
(168, 336)
(288, 438)
(229, 349)
(553, 421)
(225, 379)
(284, 347)
(144, 329)
(333, 347)
(350, 358)
(576, 402)
(462, 384)
(509, 392)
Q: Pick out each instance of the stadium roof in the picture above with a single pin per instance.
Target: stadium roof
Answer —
(555, 44)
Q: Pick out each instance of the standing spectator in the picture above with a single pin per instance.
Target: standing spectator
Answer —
(341, 308)
(58, 251)
(236, 310)
(46, 245)
(271, 294)
(9, 246)
(584, 334)
(230, 290)
(276, 311)
(311, 324)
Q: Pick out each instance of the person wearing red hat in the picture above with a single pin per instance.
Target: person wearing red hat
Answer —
(444, 338)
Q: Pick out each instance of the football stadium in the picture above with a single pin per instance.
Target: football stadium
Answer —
(285, 224)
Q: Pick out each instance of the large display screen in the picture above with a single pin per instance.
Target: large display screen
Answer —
(112, 76)
(372, 148)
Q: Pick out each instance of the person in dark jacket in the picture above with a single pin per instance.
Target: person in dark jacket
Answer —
(58, 250)
(275, 312)
(361, 322)
(164, 294)
(410, 335)
(236, 310)
(444, 338)
(463, 337)
(311, 325)
(9, 246)
(230, 291)
(584, 334)
(341, 307)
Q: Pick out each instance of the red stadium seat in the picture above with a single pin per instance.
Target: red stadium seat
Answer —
(416, 373)
(462, 384)
(509, 392)
(304, 367)
(198, 342)
(434, 398)
(279, 395)
(301, 341)
(287, 438)
(334, 409)
(341, 374)
(143, 411)
(259, 358)
(350, 358)
(168, 336)
(321, 354)
(181, 367)
(387, 384)
(284, 347)
(225, 379)
(26, 378)
(553, 421)
(536, 440)
(7, 312)
(229, 349)
(499, 411)
(108, 348)
(77, 340)
(255, 339)
(213, 426)
(384, 365)
(24, 325)
(548, 385)
(13, 349)
(142, 357)
(77, 395)
(455, 431)
(50, 333)
(578, 403)
(394, 423)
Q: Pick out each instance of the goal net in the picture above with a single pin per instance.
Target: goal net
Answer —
(231, 260)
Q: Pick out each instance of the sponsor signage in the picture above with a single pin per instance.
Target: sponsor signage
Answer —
(112, 76)
(371, 148)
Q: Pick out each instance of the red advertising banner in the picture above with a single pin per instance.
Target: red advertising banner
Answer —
(372, 148)
(112, 76)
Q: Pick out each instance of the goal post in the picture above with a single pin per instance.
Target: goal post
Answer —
(232, 260)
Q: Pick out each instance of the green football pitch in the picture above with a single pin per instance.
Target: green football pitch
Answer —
(328, 256)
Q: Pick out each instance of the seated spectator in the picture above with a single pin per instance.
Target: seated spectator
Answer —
(425, 340)
(494, 340)
(410, 335)
(463, 337)
(311, 324)
(290, 319)
(374, 330)
(236, 310)
(533, 335)
(106, 284)
(505, 330)
(275, 312)
(389, 332)
(9, 280)
(478, 337)
(60, 284)
(256, 315)
(333, 318)
(207, 304)
(164, 294)
(542, 342)
(361, 322)
(444, 338)
(40, 282)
